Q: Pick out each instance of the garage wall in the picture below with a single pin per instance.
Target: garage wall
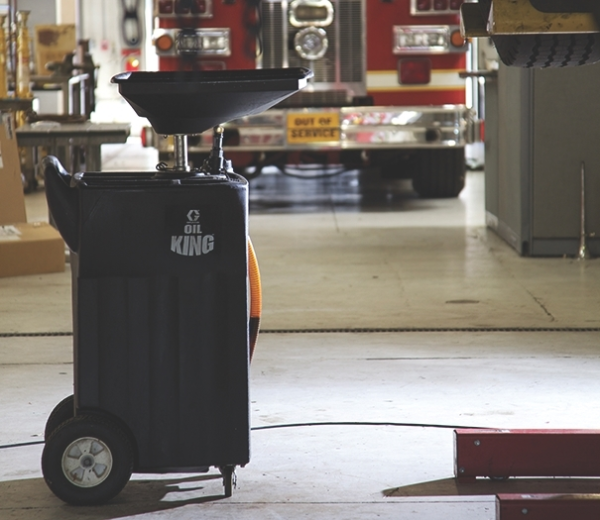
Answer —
(101, 23)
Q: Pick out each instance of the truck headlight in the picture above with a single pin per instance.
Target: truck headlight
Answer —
(311, 43)
(204, 42)
(313, 13)
(421, 39)
(215, 42)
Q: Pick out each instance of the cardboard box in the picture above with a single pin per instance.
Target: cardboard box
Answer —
(30, 249)
(24, 248)
(12, 200)
(52, 44)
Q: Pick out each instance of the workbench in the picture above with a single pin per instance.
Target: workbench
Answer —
(66, 141)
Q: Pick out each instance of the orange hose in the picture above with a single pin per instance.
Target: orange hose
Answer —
(255, 297)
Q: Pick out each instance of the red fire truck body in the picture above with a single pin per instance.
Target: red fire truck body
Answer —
(386, 90)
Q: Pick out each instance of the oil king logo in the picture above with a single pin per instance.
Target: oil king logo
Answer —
(192, 241)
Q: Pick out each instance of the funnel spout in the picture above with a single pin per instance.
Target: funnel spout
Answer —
(63, 201)
(181, 153)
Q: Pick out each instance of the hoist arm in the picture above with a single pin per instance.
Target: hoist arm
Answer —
(508, 17)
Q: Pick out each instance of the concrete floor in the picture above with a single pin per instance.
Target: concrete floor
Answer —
(338, 255)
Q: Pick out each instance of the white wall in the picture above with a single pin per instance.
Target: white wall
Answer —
(66, 11)
(101, 24)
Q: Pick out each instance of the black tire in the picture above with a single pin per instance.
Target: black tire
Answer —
(544, 50)
(87, 460)
(440, 174)
(62, 412)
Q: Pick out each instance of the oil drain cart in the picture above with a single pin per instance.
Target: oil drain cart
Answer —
(160, 296)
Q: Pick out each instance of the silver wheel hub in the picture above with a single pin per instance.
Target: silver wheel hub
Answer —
(87, 462)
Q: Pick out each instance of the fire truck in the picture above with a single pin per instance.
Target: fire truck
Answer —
(386, 90)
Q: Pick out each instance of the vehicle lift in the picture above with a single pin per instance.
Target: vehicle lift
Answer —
(500, 454)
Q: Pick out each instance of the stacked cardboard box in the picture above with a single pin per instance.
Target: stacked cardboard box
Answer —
(25, 248)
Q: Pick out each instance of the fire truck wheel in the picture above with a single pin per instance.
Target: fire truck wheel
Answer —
(441, 173)
(87, 460)
(544, 50)
(62, 412)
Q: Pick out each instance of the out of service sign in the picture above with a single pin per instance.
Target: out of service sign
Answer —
(313, 127)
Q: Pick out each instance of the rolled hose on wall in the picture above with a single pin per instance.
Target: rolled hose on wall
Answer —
(255, 297)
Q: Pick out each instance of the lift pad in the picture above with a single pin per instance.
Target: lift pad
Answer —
(548, 507)
(521, 17)
(526, 453)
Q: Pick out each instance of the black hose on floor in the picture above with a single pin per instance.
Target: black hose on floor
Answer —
(307, 424)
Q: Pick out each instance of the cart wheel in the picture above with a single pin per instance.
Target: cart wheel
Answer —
(87, 460)
(62, 412)
(228, 473)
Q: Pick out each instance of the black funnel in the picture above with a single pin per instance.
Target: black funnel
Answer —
(190, 102)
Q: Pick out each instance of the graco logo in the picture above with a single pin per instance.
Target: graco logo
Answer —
(193, 215)
(193, 242)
